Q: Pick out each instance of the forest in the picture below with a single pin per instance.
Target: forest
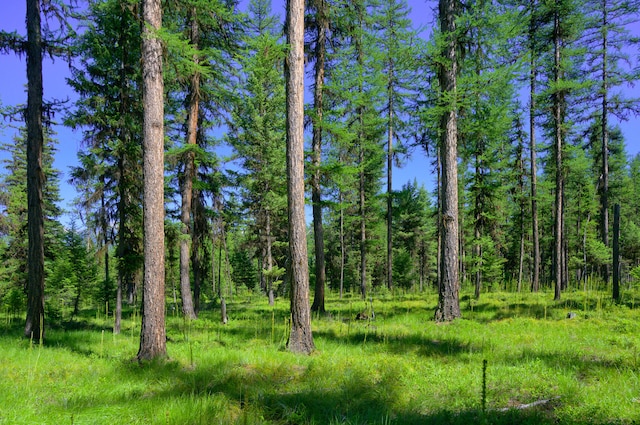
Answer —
(235, 186)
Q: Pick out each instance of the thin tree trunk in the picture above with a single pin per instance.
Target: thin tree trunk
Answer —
(557, 114)
(187, 180)
(34, 324)
(616, 253)
(604, 189)
(535, 281)
(269, 258)
(342, 244)
(448, 295)
(153, 342)
(390, 188)
(318, 231)
(300, 339)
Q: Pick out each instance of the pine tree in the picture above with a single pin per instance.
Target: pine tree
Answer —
(448, 307)
(152, 335)
(301, 338)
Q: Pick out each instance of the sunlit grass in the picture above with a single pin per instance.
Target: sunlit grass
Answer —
(400, 368)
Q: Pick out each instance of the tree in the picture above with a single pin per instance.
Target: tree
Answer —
(398, 45)
(448, 286)
(13, 221)
(301, 338)
(109, 110)
(258, 121)
(321, 26)
(152, 335)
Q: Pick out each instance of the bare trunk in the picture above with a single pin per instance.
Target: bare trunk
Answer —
(448, 298)
(269, 258)
(300, 338)
(616, 253)
(342, 246)
(34, 324)
(152, 335)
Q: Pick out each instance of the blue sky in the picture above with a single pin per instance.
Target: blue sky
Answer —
(13, 92)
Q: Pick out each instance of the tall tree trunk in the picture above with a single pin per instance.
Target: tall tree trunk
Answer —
(557, 115)
(300, 339)
(604, 188)
(362, 177)
(153, 343)
(448, 295)
(318, 231)
(390, 186)
(187, 180)
(34, 325)
(199, 232)
(105, 242)
(535, 281)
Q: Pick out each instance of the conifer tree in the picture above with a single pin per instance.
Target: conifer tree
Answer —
(300, 338)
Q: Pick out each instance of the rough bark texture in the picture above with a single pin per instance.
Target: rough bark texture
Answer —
(34, 325)
(152, 335)
(318, 231)
(449, 286)
(300, 339)
(187, 182)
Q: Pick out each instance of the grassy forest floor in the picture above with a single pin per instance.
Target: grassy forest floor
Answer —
(401, 368)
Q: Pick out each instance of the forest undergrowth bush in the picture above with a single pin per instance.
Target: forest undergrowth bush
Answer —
(400, 368)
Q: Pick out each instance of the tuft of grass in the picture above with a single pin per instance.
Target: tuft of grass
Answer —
(400, 368)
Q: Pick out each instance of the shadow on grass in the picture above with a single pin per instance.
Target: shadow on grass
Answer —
(293, 396)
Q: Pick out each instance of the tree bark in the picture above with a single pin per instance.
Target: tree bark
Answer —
(390, 185)
(34, 324)
(187, 180)
(318, 231)
(300, 339)
(448, 295)
(153, 335)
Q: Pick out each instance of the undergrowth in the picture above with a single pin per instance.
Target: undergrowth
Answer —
(400, 368)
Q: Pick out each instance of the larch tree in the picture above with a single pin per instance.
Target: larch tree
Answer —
(448, 307)
(257, 135)
(153, 343)
(320, 10)
(300, 338)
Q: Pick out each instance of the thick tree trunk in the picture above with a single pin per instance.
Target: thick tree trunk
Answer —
(34, 325)
(300, 339)
(448, 295)
(318, 231)
(153, 336)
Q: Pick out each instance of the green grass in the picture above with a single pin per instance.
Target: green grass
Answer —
(399, 369)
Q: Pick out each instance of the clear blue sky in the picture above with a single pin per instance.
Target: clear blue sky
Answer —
(13, 92)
